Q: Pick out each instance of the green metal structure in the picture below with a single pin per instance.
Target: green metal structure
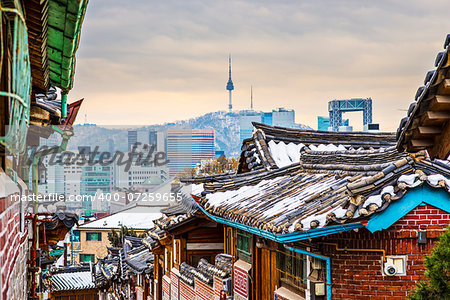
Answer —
(61, 27)
(64, 27)
(18, 97)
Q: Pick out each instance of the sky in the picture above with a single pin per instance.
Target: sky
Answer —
(146, 62)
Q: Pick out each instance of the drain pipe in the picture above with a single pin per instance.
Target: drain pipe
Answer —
(326, 259)
(34, 167)
(64, 105)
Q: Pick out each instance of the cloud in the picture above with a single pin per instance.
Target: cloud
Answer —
(169, 58)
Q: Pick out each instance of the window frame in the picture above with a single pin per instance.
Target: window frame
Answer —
(243, 239)
(84, 255)
(292, 269)
(90, 233)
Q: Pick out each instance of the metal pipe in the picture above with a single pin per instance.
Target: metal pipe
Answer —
(64, 105)
(356, 250)
(326, 259)
(38, 155)
(33, 268)
(71, 246)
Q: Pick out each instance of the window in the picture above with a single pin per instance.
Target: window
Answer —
(93, 236)
(244, 244)
(76, 236)
(87, 258)
(292, 268)
(177, 251)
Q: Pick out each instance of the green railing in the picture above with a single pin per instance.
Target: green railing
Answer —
(17, 98)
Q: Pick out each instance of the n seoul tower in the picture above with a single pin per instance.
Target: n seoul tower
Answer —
(230, 85)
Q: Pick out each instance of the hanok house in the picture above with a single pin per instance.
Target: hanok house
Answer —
(28, 71)
(74, 282)
(427, 125)
(126, 273)
(91, 238)
(188, 249)
(314, 215)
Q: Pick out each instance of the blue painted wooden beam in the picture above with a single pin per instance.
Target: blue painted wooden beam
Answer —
(437, 197)
(287, 237)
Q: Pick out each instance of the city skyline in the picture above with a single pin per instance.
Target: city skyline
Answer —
(172, 59)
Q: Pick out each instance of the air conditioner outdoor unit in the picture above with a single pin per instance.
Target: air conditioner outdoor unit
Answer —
(226, 285)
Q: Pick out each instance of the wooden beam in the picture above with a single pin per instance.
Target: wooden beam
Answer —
(442, 147)
(441, 99)
(422, 143)
(446, 87)
(427, 130)
(438, 115)
(440, 103)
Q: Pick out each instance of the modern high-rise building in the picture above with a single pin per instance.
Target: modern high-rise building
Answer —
(277, 117)
(187, 147)
(283, 117)
(52, 181)
(124, 176)
(132, 139)
(153, 138)
(246, 117)
(72, 178)
(53, 175)
(323, 123)
(161, 139)
(95, 178)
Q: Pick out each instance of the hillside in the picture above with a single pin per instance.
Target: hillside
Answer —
(225, 124)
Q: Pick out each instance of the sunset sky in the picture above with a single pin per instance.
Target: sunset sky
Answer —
(144, 62)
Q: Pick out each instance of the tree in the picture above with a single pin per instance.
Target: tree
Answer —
(214, 166)
(437, 274)
(116, 238)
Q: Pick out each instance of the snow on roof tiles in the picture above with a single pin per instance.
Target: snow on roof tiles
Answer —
(72, 281)
(138, 217)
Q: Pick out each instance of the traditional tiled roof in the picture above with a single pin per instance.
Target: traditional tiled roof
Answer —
(428, 117)
(205, 271)
(140, 260)
(72, 278)
(322, 188)
(66, 218)
(182, 211)
(273, 147)
(137, 217)
(134, 257)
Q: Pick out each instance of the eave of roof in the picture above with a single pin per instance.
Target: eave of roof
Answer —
(288, 237)
(422, 195)
(54, 28)
(64, 28)
(72, 281)
(36, 20)
(427, 125)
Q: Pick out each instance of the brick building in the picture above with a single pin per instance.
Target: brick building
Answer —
(13, 239)
(364, 278)
(321, 215)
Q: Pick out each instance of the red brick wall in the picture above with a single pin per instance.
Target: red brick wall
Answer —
(13, 248)
(358, 275)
